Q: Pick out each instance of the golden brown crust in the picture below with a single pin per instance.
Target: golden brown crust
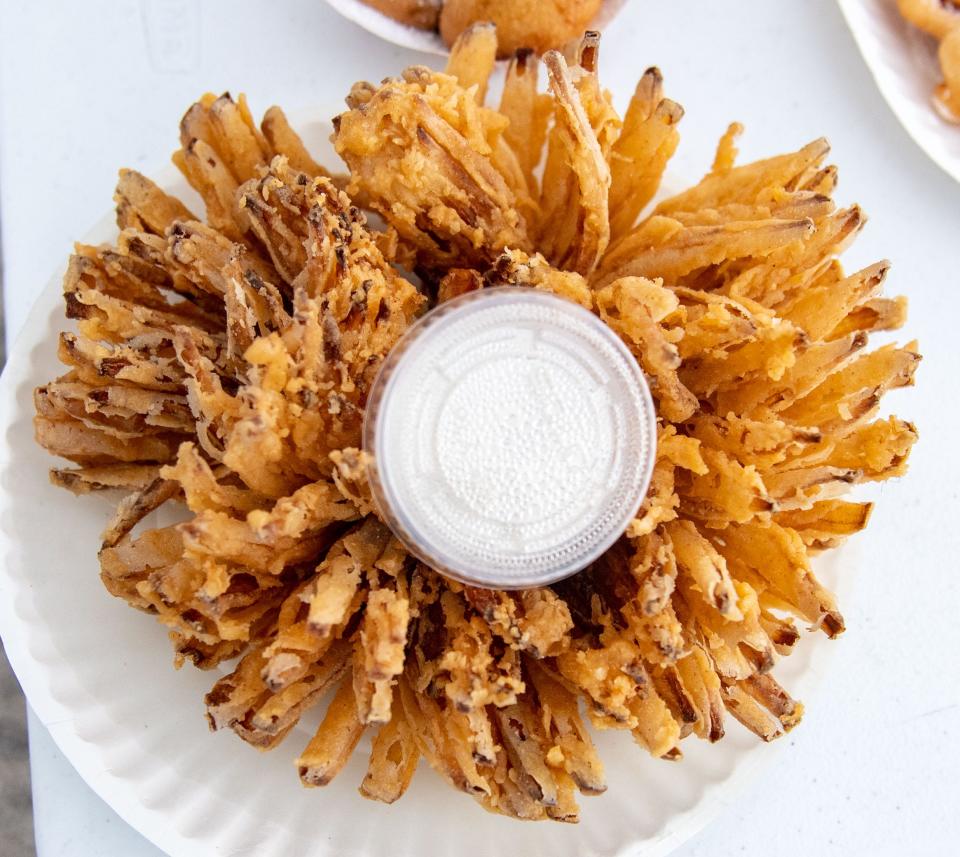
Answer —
(540, 26)
(936, 17)
(941, 19)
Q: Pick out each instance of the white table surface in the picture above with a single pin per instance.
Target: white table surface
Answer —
(87, 87)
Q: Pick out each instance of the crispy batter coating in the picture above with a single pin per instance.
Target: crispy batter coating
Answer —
(224, 366)
(421, 149)
(534, 24)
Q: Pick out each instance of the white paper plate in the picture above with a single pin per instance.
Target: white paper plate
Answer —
(903, 62)
(99, 677)
(374, 21)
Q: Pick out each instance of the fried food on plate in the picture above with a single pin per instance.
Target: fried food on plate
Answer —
(221, 365)
(947, 94)
(936, 17)
(540, 25)
(941, 19)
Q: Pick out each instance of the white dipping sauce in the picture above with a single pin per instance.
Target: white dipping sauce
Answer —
(513, 438)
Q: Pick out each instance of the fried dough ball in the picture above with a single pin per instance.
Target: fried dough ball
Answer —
(537, 24)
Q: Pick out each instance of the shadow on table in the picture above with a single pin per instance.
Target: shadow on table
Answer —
(16, 816)
(16, 812)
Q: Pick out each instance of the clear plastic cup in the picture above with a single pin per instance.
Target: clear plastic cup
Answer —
(512, 437)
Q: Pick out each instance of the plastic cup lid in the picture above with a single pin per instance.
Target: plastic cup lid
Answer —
(512, 436)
